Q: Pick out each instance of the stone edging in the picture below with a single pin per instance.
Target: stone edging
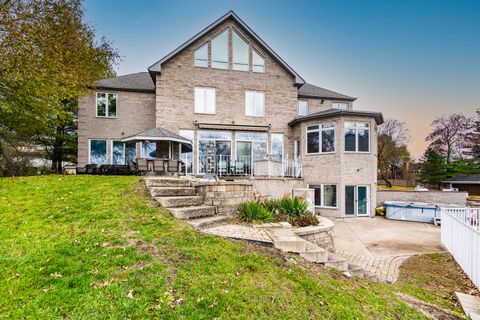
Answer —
(322, 234)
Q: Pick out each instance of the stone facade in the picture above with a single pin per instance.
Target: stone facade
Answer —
(135, 113)
(340, 168)
(322, 235)
(172, 107)
(175, 92)
(225, 196)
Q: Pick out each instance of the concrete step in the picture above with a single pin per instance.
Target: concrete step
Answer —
(355, 272)
(192, 212)
(314, 253)
(289, 243)
(210, 221)
(336, 262)
(166, 182)
(180, 201)
(172, 191)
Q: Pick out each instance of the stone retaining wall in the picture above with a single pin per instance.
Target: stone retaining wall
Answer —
(225, 195)
(440, 197)
(322, 235)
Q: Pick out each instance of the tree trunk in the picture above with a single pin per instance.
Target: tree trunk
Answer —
(57, 153)
(384, 177)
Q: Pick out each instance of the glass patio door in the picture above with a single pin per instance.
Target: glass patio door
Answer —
(357, 201)
(243, 161)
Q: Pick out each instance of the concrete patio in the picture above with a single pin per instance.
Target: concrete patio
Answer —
(381, 237)
(380, 246)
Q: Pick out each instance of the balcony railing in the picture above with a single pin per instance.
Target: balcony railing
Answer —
(225, 165)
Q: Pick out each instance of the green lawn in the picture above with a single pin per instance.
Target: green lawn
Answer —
(97, 247)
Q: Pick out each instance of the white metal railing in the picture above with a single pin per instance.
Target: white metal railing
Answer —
(461, 236)
(225, 165)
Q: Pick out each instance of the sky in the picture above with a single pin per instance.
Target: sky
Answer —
(411, 60)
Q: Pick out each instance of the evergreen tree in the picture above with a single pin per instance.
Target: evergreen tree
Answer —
(433, 169)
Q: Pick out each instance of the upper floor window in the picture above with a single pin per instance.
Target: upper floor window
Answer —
(340, 105)
(201, 56)
(357, 136)
(204, 100)
(240, 50)
(258, 62)
(254, 103)
(321, 138)
(302, 107)
(106, 104)
(220, 50)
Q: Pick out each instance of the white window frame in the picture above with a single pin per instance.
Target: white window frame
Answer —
(228, 50)
(322, 198)
(320, 131)
(204, 100)
(255, 92)
(298, 107)
(336, 104)
(89, 150)
(207, 44)
(253, 64)
(234, 31)
(355, 127)
(106, 105)
(283, 142)
(111, 153)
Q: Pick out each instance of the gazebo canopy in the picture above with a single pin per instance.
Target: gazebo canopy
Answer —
(157, 134)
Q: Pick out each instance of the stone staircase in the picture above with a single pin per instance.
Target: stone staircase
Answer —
(286, 240)
(180, 198)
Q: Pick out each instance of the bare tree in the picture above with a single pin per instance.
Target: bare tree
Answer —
(452, 136)
(393, 137)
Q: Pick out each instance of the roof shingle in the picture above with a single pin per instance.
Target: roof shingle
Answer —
(136, 82)
(311, 91)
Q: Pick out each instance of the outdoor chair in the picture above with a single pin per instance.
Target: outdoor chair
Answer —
(142, 166)
(132, 168)
(222, 167)
(158, 166)
(91, 168)
(172, 166)
(239, 167)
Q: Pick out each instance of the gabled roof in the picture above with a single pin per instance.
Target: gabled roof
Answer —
(337, 112)
(464, 179)
(135, 82)
(157, 66)
(157, 134)
(310, 91)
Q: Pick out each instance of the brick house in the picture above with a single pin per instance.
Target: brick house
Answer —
(226, 95)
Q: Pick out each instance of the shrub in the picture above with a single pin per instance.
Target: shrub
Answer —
(272, 205)
(252, 211)
(304, 220)
(293, 207)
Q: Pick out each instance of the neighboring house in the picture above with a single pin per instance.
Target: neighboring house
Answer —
(226, 95)
(469, 183)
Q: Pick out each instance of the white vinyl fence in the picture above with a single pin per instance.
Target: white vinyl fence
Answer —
(461, 236)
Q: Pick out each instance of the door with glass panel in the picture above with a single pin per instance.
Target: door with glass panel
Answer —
(214, 151)
(250, 147)
(357, 201)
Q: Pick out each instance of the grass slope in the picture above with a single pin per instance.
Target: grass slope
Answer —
(97, 247)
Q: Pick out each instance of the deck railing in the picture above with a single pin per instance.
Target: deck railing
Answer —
(461, 236)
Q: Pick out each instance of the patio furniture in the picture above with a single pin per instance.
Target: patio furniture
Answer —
(239, 167)
(132, 167)
(142, 165)
(159, 166)
(172, 165)
(91, 168)
(222, 167)
(106, 169)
